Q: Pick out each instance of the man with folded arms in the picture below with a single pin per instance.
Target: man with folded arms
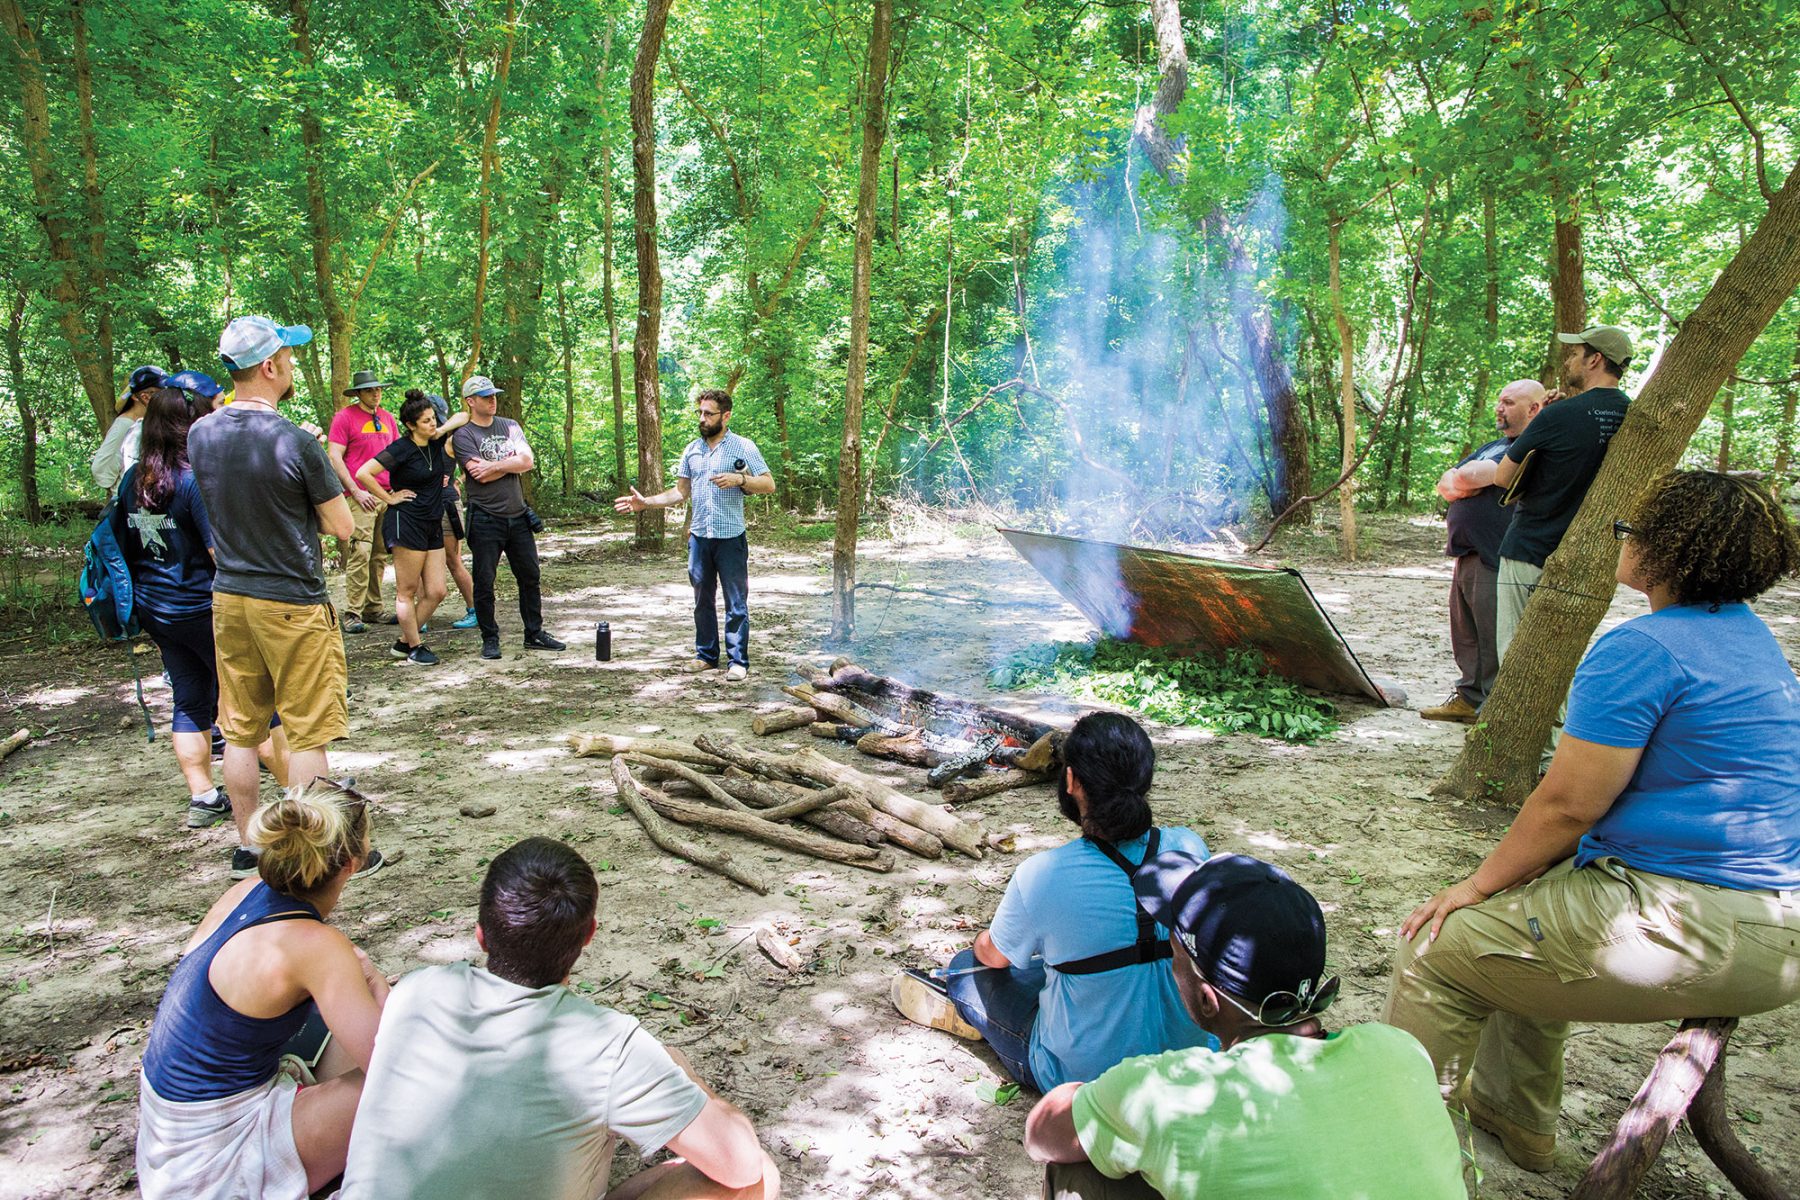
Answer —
(1282, 1109)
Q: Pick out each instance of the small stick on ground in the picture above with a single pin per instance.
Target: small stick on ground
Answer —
(23, 736)
(779, 952)
(805, 804)
(660, 833)
(670, 767)
(961, 791)
(605, 745)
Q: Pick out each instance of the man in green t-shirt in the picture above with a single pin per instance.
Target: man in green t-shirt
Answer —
(1282, 1109)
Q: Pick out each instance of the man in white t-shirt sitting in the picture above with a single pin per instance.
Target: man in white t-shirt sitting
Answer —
(505, 1083)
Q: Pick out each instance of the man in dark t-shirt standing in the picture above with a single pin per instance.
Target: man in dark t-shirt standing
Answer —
(1548, 468)
(269, 491)
(1476, 525)
(494, 453)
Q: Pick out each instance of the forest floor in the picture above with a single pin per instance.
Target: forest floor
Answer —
(103, 884)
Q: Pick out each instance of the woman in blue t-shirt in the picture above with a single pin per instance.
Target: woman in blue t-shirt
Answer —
(162, 531)
(1651, 875)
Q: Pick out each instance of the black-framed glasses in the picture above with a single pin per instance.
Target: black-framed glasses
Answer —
(1621, 531)
(1277, 1008)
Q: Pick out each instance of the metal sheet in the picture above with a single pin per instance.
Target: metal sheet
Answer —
(1162, 598)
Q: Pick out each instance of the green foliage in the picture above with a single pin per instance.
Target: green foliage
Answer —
(1233, 694)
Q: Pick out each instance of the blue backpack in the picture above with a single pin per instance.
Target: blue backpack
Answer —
(107, 594)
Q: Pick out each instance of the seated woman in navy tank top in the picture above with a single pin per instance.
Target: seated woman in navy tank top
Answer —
(223, 1109)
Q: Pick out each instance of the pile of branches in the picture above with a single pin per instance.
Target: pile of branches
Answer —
(716, 783)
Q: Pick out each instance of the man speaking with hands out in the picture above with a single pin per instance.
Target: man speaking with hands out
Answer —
(726, 467)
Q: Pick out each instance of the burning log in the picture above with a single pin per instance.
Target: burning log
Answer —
(605, 745)
(665, 837)
(753, 825)
(964, 790)
(832, 730)
(907, 748)
(916, 706)
(782, 720)
(842, 709)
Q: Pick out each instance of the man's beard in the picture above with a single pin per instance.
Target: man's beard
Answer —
(710, 431)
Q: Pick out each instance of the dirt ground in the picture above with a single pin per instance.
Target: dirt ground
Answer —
(102, 883)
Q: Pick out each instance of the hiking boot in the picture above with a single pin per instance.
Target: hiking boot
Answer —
(924, 1003)
(542, 641)
(376, 861)
(243, 862)
(354, 625)
(696, 666)
(422, 657)
(738, 673)
(400, 649)
(385, 618)
(1454, 709)
(490, 646)
(203, 814)
(467, 621)
(1533, 1151)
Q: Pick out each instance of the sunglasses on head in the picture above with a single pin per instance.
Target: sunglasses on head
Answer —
(1277, 1008)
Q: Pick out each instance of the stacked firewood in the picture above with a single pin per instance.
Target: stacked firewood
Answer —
(718, 784)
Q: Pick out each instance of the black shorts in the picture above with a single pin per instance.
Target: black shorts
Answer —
(453, 523)
(405, 528)
(191, 661)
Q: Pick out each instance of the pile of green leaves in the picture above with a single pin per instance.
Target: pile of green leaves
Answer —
(1174, 685)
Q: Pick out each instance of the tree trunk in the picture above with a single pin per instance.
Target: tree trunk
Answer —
(568, 463)
(868, 181)
(1346, 391)
(1501, 754)
(1727, 414)
(644, 382)
(1784, 432)
(620, 478)
(92, 367)
(776, 380)
(28, 435)
(490, 164)
(98, 275)
(1490, 257)
(1568, 288)
(318, 212)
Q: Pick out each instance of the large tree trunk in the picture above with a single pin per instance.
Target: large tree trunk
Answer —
(28, 437)
(1503, 751)
(1490, 257)
(620, 478)
(1346, 392)
(1784, 432)
(776, 380)
(644, 382)
(868, 181)
(568, 357)
(1568, 287)
(490, 165)
(92, 365)
(318, 212)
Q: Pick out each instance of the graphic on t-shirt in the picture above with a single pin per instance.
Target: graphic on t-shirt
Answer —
(495, 447)
(372, 425)
(149, 526)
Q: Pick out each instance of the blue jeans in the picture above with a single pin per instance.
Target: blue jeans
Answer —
(1003, 1005)
(715, 563)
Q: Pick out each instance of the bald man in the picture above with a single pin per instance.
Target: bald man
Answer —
(1477, 523)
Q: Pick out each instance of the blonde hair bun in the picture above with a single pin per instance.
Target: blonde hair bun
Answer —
(308, 836)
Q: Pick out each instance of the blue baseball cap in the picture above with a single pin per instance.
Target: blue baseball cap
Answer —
(145, 377)
(251, 340)
(198, 382)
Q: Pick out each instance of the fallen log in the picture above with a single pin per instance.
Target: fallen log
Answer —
(962, 791)
(801, 805)
(752, 825)
(909, 748)
(755, 762)
(605, 745)
(667, 766)
(955, 832)
(842, 709)
(908, 705)
(831, 729)
(884, 827)
(842, 820)
(659, 832)
(13, 743)
(782, 720)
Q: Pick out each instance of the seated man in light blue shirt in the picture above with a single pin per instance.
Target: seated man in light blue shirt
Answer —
(727, 467)
(1073, 975)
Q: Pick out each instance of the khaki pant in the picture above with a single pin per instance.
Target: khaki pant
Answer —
(1512, 591)
(1497, 990)
(286, 658)
(1083, 1181)
(365, 562)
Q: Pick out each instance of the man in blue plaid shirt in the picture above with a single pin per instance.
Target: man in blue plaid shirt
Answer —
(717, 469)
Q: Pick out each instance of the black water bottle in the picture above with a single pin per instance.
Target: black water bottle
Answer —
(603, 642)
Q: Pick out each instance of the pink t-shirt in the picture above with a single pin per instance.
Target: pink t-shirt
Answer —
(363, 435)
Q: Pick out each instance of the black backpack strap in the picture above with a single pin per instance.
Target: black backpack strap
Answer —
(1150, 945)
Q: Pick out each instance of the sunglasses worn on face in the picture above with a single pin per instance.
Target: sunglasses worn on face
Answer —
(1621, 531)
(1277, 1008)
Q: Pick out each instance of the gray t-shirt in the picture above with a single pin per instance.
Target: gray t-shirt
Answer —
(503, 497)
(261, 477)
(481, 1088)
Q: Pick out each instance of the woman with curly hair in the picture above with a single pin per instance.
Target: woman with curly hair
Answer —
(256, 1058)
(1651, 875)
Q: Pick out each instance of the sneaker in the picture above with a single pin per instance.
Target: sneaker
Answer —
(376, 861)
(400, 649)
(924, 1003)
(422, 657)
(738, 673)
(697, 665)
(354, 625)
(218, 744)
(543, 641)
(1454, 709)
(467, 621)
(202, 815)
(425, 628)
(243, 863)
(1533, 1151)
(490, 647)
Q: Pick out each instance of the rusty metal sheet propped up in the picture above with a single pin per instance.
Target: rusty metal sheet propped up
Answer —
(1162, 598)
